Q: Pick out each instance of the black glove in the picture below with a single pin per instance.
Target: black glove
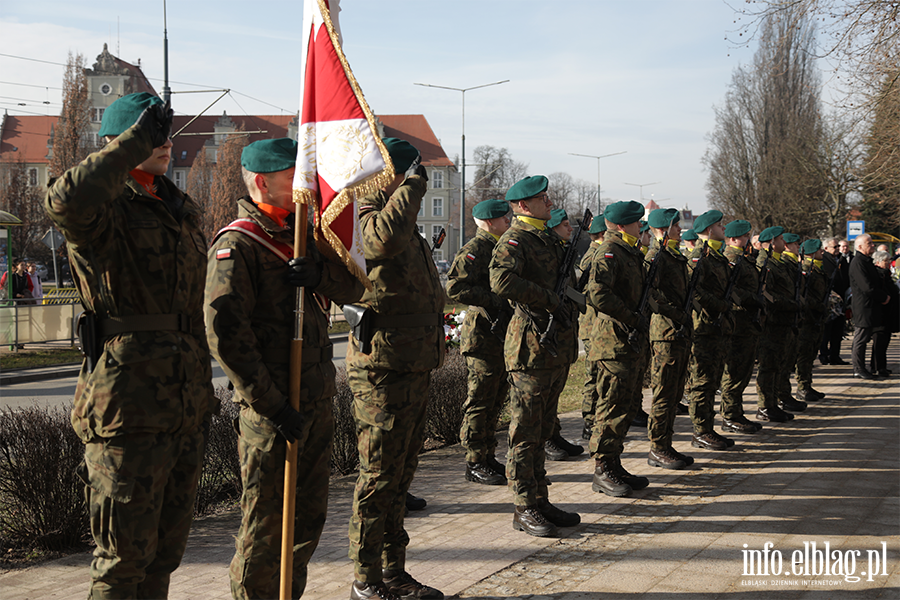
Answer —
(643, 323)
(421, 172)
(304, 272)
(289, 423)
(157, 121)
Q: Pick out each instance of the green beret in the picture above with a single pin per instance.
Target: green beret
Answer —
(791, 238)
(122, 113)
(770, 233)
(623, 213)
(402, 153)
(557, 216)
(527, 188)
(598, 225)
(490, 209)
(689, 235)
(811, 246)
(644, 226)
(737, 228)
(710, 217)
(661, 218)
(269, 156)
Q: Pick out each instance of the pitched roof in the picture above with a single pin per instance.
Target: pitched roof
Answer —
(416, 130)
(25, 137)
(275, 126)
(652, 205)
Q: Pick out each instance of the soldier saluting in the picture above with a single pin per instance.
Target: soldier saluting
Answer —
(144, 395)
(483, 332)
(524, 271)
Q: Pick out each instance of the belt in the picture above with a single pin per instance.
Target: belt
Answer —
(310, 355)
(117, 325)
(406, 321)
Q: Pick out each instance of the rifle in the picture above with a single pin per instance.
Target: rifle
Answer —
(645, 293)
(732, 281)
(438, 239)
(760, 289)
(548, 337)
(692, 286)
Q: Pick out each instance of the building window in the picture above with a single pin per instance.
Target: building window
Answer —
(32, 177)
(438, 255)
(422, 208)
(437, 207)
(97, 114)
(421, 229)
(105, 89)
(437, 180)
(184, 155)
(179, 179)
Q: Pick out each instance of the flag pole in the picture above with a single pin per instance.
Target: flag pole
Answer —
(290, 458)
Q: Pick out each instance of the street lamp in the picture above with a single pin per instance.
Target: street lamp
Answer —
(462, 193)
(642, 186)
(599, 204)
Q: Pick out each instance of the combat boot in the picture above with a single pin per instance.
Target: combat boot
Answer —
(371, 591)
(774, 414)
(608, 480)
(739, 425)
(587, 432)
(793, 405)
(557, 516)
(530, 520)
(809, 395)
(635, 481)
(554, 452)
(640, 419)
(495, 466)
(688, 460)
(403, 585)
(665, 458)
(414, 502)
(567, 446)
(483, 474)
(710, 441)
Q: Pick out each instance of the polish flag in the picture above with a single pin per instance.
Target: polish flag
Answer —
(340, 156)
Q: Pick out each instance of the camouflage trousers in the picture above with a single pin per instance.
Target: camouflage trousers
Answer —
(589, 395)
(740, 356)
(619, 389)
(389, 409)
(783, 386)
(533, 401)
(775, 351)
(256, 566)
(668, 372)
(140, 491)
(488, 387)
(808, 342)
(706, 366)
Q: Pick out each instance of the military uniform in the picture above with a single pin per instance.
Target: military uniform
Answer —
(469, 282)
(740, 353)
(710, 338)
(778, 337)
(671, 331)
(250, 312)
(138, 259)
(812, 324)
(585, 327)
(784, 389)
(390, 384)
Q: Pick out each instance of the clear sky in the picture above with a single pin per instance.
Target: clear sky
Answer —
(586, 76)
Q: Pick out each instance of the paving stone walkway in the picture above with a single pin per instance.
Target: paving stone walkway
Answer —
(829, 477)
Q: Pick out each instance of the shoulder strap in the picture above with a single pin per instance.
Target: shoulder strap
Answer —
(251, 229)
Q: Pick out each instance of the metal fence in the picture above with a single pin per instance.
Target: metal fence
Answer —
(22, 322)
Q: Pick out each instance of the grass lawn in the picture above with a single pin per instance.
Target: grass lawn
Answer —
(26, 359)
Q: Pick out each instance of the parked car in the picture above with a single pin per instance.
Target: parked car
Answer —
(443, 267)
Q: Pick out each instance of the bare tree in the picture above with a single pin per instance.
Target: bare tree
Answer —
(496, 173)
(227, 184)
(23, 200)
(72, 136)
(764, 152)
(881, 183)
(199, 185)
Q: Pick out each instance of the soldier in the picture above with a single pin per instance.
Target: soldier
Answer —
(671, 331)
(250, 302)
(524, 270)
(558, 447)
(144, 395)
(642, 418)
(646, 237)
(791, 260)
(620, 345)
(585, 326)
(780, 308)
(815, 292)
(483, 332)
(689, 237)
(740, 350)
(389, 372)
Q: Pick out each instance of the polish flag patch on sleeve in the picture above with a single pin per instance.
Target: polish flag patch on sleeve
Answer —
(696, 259)
(609, 255)
(470, 256)
(512, 242)
(223, 253)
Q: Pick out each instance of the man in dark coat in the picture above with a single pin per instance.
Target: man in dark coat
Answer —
(837, 269)
(890, 322)
(868, 299)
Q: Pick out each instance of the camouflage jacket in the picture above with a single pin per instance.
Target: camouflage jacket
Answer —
(614, 290)
(405, 282)
(710, 293)
(586, 321)
(745, 287)
(669, 292)
(469, 282)
(250, 316)
(815, 293)
(130, 256)
(524, 269)
(780, 304)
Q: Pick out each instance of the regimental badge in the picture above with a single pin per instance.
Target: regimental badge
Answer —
(513, 242)
(470, 256)
(223, 253)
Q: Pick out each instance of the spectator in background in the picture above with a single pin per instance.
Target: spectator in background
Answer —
(37, 289)
(890, 322)
(868, 300)
(844, 247)
(837, 269)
